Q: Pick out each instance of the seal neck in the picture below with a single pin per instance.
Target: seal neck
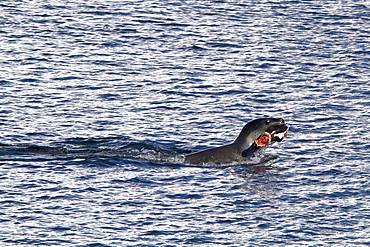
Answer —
(244, 139)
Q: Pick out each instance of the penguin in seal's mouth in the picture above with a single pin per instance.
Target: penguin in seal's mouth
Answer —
(254, 135)
(273, 134)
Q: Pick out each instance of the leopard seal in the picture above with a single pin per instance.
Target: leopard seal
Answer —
(256, 133)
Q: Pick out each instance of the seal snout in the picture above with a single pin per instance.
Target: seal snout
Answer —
(281, 121)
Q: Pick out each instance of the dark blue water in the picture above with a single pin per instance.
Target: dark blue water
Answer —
(100, 100)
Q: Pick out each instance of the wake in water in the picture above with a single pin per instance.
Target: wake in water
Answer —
(122, 148)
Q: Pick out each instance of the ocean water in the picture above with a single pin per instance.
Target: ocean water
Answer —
(100, 101)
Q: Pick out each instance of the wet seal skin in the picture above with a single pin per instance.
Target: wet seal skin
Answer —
(254, 135)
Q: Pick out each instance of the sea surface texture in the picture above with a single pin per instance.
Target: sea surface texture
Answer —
(100, 101)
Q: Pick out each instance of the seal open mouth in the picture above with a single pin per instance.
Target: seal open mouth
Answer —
(273, 134)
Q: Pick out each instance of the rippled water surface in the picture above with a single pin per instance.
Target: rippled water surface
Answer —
(100, 101)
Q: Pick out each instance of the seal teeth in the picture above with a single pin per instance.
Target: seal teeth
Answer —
(263, 139)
